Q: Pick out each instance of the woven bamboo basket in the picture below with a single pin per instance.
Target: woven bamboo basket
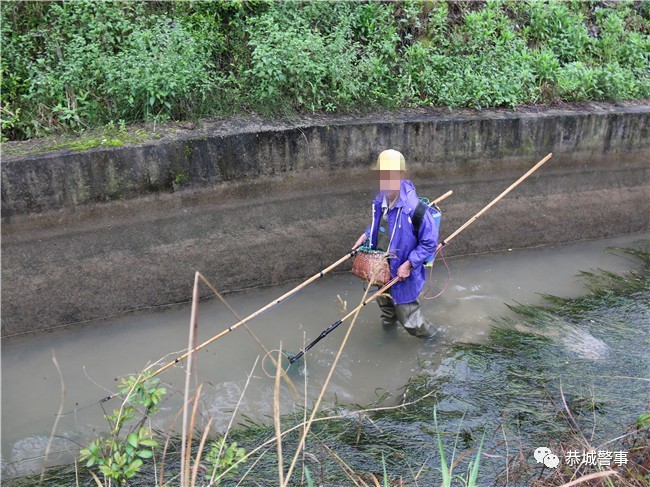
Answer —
(371, 265)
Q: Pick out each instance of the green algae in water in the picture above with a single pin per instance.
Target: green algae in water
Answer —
(585, 351)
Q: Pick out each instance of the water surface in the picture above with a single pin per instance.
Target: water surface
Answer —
(375, 361)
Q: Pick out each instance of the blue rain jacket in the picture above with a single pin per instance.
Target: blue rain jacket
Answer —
(404, 244)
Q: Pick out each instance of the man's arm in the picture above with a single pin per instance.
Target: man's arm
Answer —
(360, 241)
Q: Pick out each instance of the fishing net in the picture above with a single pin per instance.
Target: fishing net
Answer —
(371, 266)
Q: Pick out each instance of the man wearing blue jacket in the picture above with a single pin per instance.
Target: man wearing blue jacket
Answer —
(392, 231)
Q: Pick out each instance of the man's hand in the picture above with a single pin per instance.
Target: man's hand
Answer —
(360, 241)
(404, 271)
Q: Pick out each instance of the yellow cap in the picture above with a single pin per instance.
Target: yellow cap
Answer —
(391, 160)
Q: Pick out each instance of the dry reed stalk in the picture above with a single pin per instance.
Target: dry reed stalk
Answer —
(345, 468)
(190, 435)
(76, 473)
(96, 479)
(375, 480)
(505, 439)
(169, 436)
(318, 420)
(185, 456)
(56, 421)
(574, 423)
(197, 460)
(153, 449)
(276, 416)
(232, 416)
(417, 475)
(591, 476)
(303, 436)
(249, 468)
(412, 474)
(593, 411)
(304, 408)
(622, 437)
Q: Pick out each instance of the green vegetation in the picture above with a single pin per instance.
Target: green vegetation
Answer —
(105, 136)
(80, 65)
(119, 455)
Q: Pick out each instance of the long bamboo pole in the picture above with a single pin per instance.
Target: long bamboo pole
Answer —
(263, 309)
(498, 198)
(272, 303)
(390, 283)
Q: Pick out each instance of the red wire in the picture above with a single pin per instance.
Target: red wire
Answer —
(442, 255)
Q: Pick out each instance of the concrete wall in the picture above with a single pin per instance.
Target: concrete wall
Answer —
(96, 233)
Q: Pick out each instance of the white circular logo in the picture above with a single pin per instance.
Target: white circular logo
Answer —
(545, 455)
(551, 460)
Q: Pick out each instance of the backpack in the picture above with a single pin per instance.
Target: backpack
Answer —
(418, 216)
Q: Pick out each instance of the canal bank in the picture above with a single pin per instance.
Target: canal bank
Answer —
(97, 233)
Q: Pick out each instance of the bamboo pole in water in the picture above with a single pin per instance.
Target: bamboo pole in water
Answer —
(272, 303)
(333, 326)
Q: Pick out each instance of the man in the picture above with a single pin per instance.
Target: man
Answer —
(393, 232)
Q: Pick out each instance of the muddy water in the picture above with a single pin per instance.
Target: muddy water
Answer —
(375, 361)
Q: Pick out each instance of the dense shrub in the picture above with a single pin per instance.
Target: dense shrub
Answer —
(92, 62)
(76, 65)
(559, 28)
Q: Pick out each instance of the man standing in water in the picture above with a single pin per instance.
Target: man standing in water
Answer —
(393, 231)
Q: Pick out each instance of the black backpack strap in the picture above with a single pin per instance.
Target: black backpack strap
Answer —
(418, 216)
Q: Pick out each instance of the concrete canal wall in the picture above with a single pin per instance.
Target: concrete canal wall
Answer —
(96, 233)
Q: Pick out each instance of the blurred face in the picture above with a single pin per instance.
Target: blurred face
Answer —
(389, 181)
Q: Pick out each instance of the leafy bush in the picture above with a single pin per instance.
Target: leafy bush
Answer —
(119, 455)
(286, 61)
(484, 65)
(101, 62)
(556, 26)
(321, 56)
(578, 82)
(77, 65)
(617, 83)
(221, 457)
(158, 71)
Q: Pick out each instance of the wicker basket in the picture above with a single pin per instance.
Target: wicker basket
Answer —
(371, 265)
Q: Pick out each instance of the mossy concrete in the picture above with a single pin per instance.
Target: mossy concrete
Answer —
(96, 233)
